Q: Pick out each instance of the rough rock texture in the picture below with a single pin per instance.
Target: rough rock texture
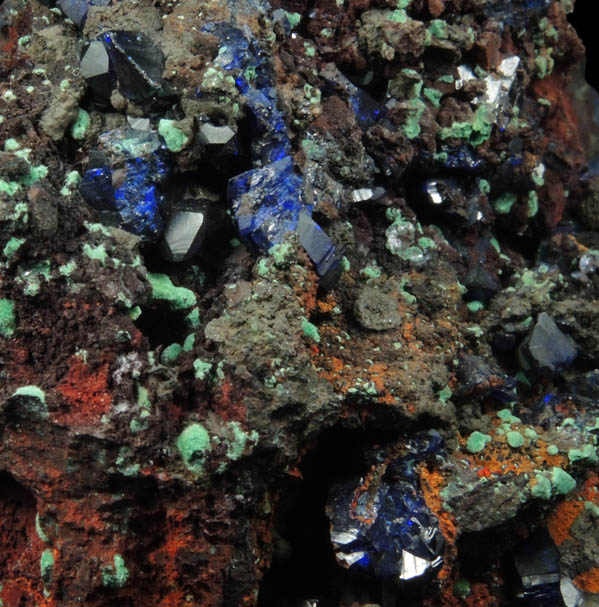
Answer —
(170, 432)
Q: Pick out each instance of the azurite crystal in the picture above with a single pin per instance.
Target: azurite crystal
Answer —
(267, 202)
(134, 164)
(135, 64)
(381, 523)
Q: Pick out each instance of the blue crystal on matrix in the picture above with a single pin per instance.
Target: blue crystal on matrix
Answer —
(135, 163)
(321, 250)
(267, 202)
(380, 524)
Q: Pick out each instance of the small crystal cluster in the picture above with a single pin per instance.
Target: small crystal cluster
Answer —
(381, 523)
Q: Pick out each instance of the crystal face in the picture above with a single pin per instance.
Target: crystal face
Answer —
(185, 232)
(546, 348)
(126, 185)
(129, 61)
(381, 524)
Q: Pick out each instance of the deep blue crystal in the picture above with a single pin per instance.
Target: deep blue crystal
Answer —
(380, 525)
(267, 202)
(546, 349)
(321, 250)
(129, 186)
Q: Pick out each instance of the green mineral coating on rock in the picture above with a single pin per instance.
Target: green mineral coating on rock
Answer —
(72, 178)
(46, 565)
(12, 246)
(80, 125)
(170, 354)
(592, 508)
(503, 205)
(117, 575)
(201, 369)
(97, 228)
(433, 95)
(538, 175)
(263, 267)
(39, 530)
(372, 270)
(134, 313)
(482, 126)
(515, 440)
(9, 187)
(438, 28)
(562, 482)
(412, 126)
(477, 442)
(96, 252)
(294, 19)
(398, 16)
(552, 450)
(458, 130)
(475, 306)
(193, 444)
(143, 397)
(35, 174)
(461, 589)
(507, 416)
(484, 186)
(345, 264)
(403, 3)
(237, 446)
(447, 78)
(541, 489)
(588, 452)
(10, 145)
(310, 330)
(173, 136)
(425, 242)
(445, 394)
(193, 319)
(533, 203)
(32, 391)
(189, 342)
(310, 50)
(281, 253)
(178, 298)
(531, 434)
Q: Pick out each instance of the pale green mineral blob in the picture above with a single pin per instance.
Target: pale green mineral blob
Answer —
(117, 575)
(170, 354)
(8, 320)
(174, 137)
(515, 440)
(80, 125)
(310, 330)
(46, 565)
(462, 589)
(201, 368)
(477, 441)
(178, 298)
(12, 246)
(562, 482)
(194, 444)
(542, 487)
(503, 205)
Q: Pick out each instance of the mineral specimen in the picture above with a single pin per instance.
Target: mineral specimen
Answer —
(298, 304)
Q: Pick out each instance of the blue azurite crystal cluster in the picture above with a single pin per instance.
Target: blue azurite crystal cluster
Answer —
(267, 200)
(123, 180)
(380, 524)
